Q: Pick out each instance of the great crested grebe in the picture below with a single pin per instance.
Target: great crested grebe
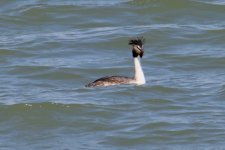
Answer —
(138, 79)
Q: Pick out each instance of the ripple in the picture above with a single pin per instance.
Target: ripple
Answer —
(213, 2)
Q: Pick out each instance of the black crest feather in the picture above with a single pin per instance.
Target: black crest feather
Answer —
(137, 41)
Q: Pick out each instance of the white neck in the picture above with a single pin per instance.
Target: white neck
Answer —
(139, 76)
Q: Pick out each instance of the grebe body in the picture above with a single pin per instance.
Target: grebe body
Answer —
(138, 79)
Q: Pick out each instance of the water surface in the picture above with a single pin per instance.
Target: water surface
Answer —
(50, 49)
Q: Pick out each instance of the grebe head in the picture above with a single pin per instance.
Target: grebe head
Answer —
(138, 46)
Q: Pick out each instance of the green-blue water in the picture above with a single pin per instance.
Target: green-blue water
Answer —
(50, 49)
